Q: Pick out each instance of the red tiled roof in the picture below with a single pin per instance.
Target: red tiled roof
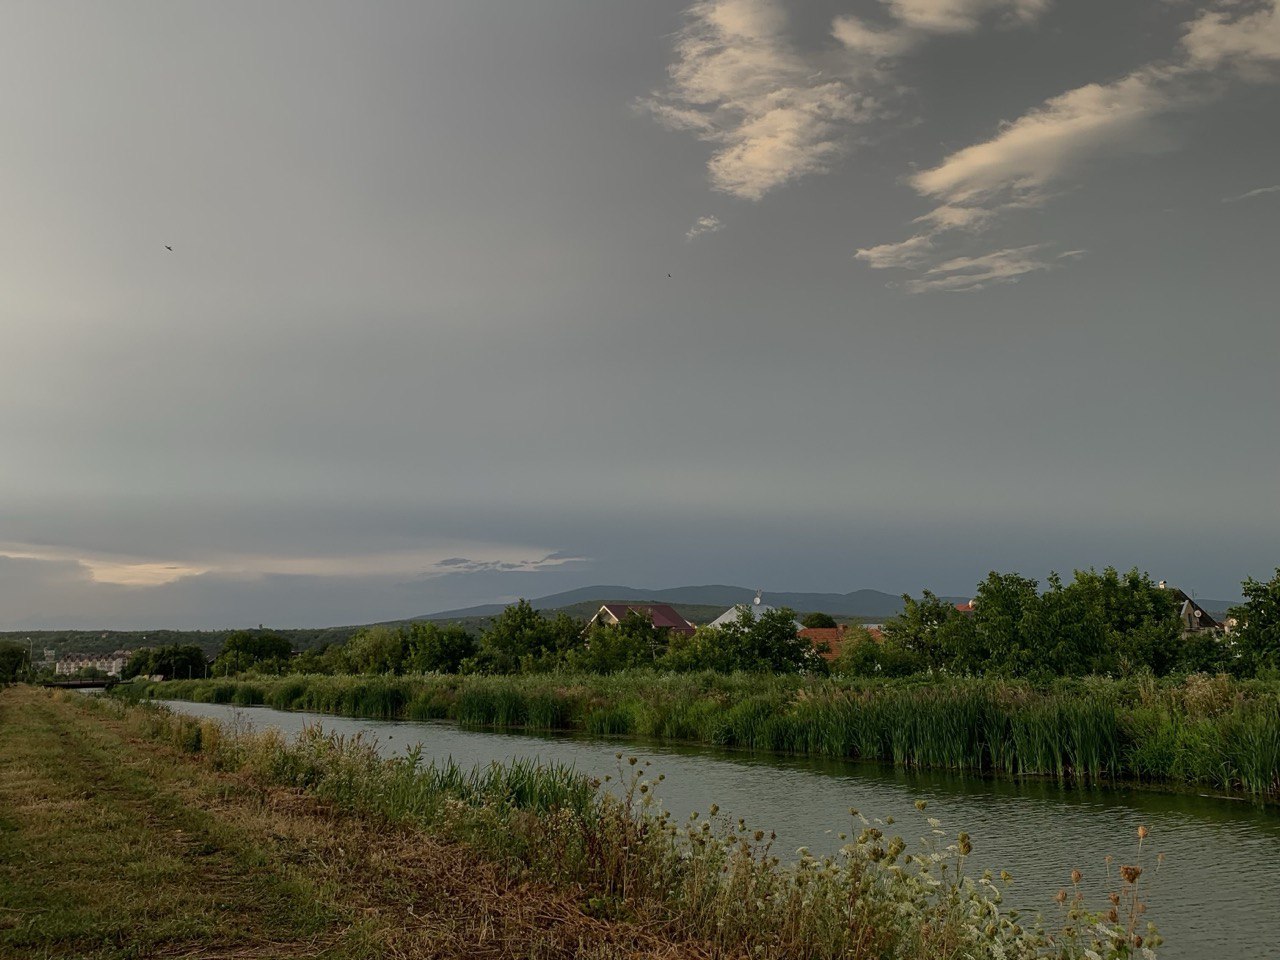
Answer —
(834, 638)
(659, 614)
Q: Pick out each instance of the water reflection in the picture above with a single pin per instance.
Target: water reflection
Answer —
(1216, 895)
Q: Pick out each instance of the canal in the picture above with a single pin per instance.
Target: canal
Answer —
(1215, 895)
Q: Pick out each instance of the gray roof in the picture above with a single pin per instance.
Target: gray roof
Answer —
(757, 609)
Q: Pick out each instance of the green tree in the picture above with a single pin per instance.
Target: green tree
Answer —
(935, 633)
(436, 649)
(702, 650)
(1257, 630)
(253, 650)
(14, 661)
(635, 642)
(1000, 605)
(521, 638)
(818, 621)
(864, 656)
(378, 649)
(169, 662)
(770, 642)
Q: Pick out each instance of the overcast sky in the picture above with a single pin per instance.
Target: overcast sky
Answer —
(955, 285)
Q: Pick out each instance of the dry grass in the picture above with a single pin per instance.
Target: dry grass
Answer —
(115, 846)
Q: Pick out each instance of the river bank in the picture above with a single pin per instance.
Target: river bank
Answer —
(1206, 731)
(583, 861)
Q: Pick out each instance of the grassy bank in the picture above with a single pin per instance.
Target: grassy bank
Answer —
(609, 869)
(1209, 731)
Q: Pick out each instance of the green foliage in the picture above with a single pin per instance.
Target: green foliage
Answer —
(770, 642)
(818, 620)
(437, 649)
(635, 642)
(14, 661)
(863, 656)
(258, 650)
(377, 650)
(1210, 730)
(1106, 623)
(521, 637)
(1257, 634)
(168, 662)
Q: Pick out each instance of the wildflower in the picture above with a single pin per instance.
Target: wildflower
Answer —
(715, 808)
(1060, 896)
(1076, 876)
(1142, 833)
(1130, 873)
(759, 835)
(920, 805)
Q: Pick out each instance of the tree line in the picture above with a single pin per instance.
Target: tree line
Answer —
(1108, 623)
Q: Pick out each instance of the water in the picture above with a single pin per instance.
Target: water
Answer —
(1216, 895)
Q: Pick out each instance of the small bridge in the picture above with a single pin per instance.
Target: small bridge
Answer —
(104, 684)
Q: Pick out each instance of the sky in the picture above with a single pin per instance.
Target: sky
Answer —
(475, 300)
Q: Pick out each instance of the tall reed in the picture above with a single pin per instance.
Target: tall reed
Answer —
(1209, 731)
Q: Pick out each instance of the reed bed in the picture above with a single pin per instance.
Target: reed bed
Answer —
(1209, 731)
(705, 880)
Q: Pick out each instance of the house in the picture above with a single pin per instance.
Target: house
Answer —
(1195, 619)
(834, 638)
(967, 608)
(830, 637)
(661, 615)
(112, 664)
(757, 607)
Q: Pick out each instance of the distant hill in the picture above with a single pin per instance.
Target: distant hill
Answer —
(861, 604)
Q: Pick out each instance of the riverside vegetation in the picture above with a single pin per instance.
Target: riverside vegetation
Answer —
(1207, 730)
(611, 875)
(1089, 680)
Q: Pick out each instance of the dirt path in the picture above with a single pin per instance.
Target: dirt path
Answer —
(112, 846)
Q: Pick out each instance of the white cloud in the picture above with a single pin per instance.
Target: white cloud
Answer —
(1018, 164)
(739, 83)
(704, 225)
(973, 273)
(1249, 41)
(908, 253)
(875, 42)
(962, 16)
(1249, 195)
(916, 21)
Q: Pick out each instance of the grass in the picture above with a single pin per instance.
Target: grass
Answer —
(604, 867)
(98, 859)
(1208, 731)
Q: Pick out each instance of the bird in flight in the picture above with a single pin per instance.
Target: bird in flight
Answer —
(169, 248)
